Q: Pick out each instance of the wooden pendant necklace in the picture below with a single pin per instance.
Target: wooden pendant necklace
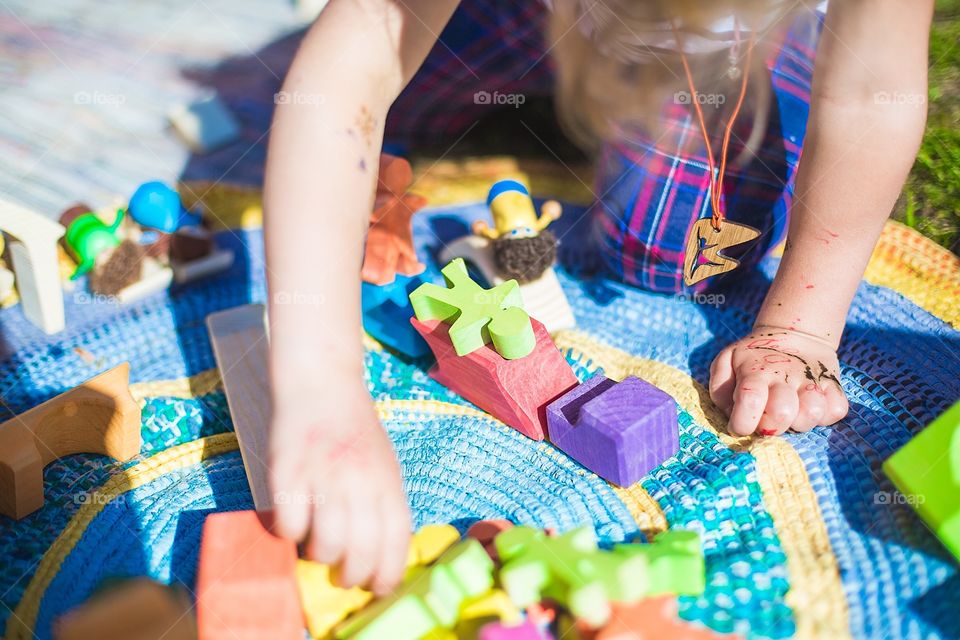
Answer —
(707, 239)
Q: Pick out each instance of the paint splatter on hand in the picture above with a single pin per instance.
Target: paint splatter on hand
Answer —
(777, 379)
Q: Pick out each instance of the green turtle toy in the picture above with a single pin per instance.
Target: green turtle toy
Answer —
(88, 236)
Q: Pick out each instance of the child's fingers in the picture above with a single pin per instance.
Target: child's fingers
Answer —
(749, 399)
(781, 410)
(393, 550)
(813, 407)
(291, 518)
(837, 404)
(722, 380)
(328, 535)
(363, 552)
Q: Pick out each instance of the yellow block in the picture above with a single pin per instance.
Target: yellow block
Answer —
(430, 542)
(325, 605)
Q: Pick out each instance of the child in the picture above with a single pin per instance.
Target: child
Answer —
(617, 63)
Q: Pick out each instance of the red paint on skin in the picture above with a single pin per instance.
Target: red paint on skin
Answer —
(774, 358)
(768, 432)
(763, 342)
(809, 286)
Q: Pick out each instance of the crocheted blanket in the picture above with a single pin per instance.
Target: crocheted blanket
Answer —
(801, 534)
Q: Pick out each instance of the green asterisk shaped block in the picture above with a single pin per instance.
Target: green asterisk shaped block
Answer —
(477, 316)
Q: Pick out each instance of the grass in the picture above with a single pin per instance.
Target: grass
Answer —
(930, 202)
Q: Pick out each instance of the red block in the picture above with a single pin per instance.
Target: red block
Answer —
(515, 392)
(246, 583)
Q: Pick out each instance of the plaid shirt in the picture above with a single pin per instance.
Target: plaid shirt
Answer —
(650, 190)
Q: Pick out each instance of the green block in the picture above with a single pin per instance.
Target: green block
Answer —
(569, 569)
(926, 470)
(477, 316)
(429, 599)
(674, 562)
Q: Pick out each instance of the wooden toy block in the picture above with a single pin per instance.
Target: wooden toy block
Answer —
(650, 619)
(204, 125)
(926, 470)
(387, 312)
(485, 532)
(325, 605)
(33, 254)
(240, 342)
(136, 609)
(620, 431)
(515, 392)
(476, 613)
(154, 278)
(522, 631)
(99, 416)
(477, 316)
(543, 297)
(429, 600)
(430, 542)
(572, 571)
(674, 562)
(569, 569)
(389, 251)
(215, 262)
(246, 581)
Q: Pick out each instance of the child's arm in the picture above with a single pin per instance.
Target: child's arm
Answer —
(333, 471)
(868, 109)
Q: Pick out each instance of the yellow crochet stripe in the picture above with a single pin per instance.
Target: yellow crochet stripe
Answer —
(919, 269)
(200, 384)
(816, 593)
(195, 386)
(22, 620)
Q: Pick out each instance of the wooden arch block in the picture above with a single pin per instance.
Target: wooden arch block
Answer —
(99, 416)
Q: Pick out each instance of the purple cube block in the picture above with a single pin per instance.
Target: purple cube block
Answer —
(618, 430)
(525, 631)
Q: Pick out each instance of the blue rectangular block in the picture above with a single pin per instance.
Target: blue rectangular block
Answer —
(387, 312)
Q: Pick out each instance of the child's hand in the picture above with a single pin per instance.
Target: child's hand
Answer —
(337, 486)
(776, 379)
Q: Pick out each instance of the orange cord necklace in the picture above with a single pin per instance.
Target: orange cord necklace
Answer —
(716, 177)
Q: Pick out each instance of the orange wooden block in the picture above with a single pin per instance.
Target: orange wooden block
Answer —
(515, 392)
(246, 583)
(139, 609)
(99, 416)
(389, 247)
(650, 619)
